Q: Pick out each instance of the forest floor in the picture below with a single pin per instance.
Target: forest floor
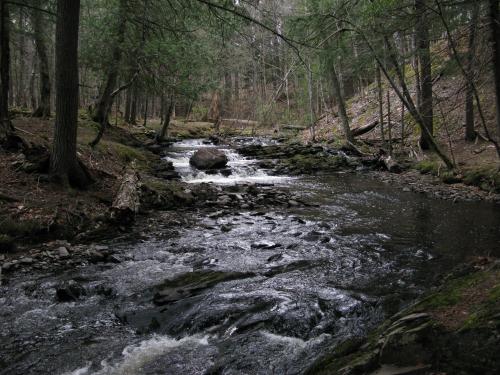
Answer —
(34, 210)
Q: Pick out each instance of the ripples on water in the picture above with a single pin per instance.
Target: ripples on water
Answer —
(309, 277)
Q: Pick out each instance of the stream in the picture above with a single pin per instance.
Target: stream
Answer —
(269, 294)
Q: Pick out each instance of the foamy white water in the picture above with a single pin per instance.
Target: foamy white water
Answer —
(134, 357)
(241, 169)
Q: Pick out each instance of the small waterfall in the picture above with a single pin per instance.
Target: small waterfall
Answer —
(239, 168)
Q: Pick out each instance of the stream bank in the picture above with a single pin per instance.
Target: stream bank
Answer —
(425, 178)
(454, 329)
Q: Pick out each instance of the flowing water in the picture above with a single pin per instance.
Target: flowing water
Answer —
(291, 283)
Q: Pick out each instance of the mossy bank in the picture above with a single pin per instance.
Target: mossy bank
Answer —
(455, 329)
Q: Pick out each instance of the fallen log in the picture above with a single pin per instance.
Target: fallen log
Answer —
(390, 164)
(127, 201)
(364, 129)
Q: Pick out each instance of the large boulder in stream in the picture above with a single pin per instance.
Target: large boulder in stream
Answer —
(209, 158)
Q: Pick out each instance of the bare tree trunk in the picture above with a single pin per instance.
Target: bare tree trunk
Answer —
(405, 96)
(470, 133)
(145, 113)
(495, 37)
(226, 106)
(133, 105)
(5, 124)
(424, 57)
(43, 109)
(162, 108)
(389, 124)
(380, 105)
(64, 166)
(128, 105)
(236, 86)
(189, 110)
(337, 92)
(311, 106)
(32, 87)
(21, 89)
(463, 70)
(166, 122)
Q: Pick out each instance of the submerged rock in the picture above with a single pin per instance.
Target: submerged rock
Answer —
(207, 158)
(70, 291)
(193, 283)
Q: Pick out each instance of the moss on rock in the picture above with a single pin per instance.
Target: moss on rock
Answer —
(455, 329)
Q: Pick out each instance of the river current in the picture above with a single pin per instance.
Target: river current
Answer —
(291, 283)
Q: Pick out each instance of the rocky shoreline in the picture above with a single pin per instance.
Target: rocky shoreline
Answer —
(454, 329)
(298, 159)
(169, 206)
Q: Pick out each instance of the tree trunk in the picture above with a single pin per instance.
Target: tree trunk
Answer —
(227, 97)
(405, 96)
(64, 165)
(495, 36)
(337, 92)
(128, 105)
(103, 106)
(189, 110)
(424, 57)
(356, 132)
(236, 86)
(470, 133)
(43, 109)
(32, 87)
(389, 124)
(133, 105)
(380, 105)
(416, 69)
(145, 113)
(166, 122)
(21, 89)
(311, 106)
(5, 124)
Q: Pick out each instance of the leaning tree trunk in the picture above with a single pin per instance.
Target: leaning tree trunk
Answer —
(43, 109)
(337, 92)
(424, 57)
(105, 102)
(65, 168)
(5, 124)
(166, 121)
(404, 95)
(495, 36)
